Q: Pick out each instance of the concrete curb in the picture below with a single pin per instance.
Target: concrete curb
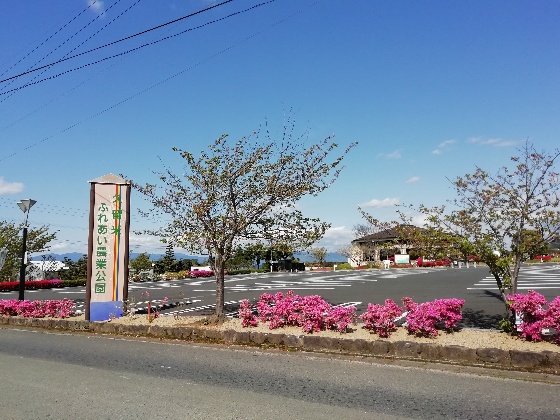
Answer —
(517, 360)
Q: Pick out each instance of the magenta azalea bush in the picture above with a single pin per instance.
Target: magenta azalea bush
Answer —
(37, 308)
(246, 314)
(380, 319)
(536, 314)
(312, 313)
(424, 318)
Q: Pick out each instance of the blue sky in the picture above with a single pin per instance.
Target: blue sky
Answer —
(429, 89)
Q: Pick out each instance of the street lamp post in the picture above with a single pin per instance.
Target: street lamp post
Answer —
(25, 206)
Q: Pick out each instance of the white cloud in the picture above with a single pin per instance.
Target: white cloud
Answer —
(496, 142)
(443, 147)
(386, 202)
(97, 6)
(419, 220)
(60, 246)
(335, 238)
(10, 187)
(396, 154)
(146, 243)
(413, 180)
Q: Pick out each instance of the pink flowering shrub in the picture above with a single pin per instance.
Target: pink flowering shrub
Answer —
(246, 314)
(380, 319)
(37, 308)
(340, 319)
(312, 313)
(551, 318)
(421, 318)
(534, 314)
(424, 318)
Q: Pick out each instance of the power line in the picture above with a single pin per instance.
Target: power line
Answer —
(278, 22)
(136, 48)
(46, 40)
(60, 45)
(79, 45)
(120, 40)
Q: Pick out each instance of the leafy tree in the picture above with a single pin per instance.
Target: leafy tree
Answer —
(141, 262)
(319, 254)
(76, 270)
(183, 265)
(37, 241)
(234, 191)
(256, 252)
(532, 244)
(495, 212)
(168, 260)
(241, 259)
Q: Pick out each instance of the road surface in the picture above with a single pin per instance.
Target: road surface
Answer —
(49, 375)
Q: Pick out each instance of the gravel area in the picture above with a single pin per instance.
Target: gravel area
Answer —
(472, 338)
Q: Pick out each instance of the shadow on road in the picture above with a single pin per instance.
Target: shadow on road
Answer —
(480, 319)
(492, 294)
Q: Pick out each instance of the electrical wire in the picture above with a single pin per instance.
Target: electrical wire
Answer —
(137, 48)
(120, 40)
(115, 105)
(46, 40)
(30, 69)
(79, 45)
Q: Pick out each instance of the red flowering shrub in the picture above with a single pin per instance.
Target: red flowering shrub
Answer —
(200, 273)
(11, 286)
(543, 258)
(439, 263)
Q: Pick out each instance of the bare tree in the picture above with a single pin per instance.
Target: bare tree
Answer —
(353, 253)
(494, 212)
(319, 254)
(243, 192)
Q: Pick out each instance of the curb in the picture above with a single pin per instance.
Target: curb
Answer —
(516, 360)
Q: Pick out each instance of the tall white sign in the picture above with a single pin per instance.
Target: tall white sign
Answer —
(107, 283)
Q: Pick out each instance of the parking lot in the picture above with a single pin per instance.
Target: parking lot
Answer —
(483, 306)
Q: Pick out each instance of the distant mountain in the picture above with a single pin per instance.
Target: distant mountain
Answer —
(178, 256)
(72, 256)
(331, 257)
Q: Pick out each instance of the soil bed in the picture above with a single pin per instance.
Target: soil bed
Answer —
(467, 337)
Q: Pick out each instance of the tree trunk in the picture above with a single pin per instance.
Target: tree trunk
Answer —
(219, 267)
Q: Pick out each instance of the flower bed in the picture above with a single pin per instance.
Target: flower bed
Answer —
(314, 314)
(10, 286)
(37, 308)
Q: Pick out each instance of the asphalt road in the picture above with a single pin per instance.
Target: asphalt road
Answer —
(483, 306)
(68, 376)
